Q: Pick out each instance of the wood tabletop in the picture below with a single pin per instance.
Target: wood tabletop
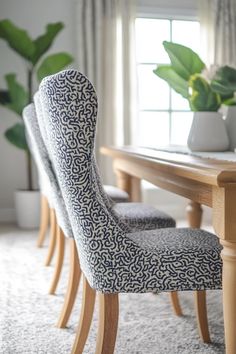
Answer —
(206, 170)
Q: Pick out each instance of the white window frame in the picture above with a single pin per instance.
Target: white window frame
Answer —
(169, 10)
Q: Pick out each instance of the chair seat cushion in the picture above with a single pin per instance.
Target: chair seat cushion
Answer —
(116, 194)
(187, 259)
(140, 216)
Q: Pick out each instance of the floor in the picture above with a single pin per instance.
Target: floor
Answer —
(28, 314)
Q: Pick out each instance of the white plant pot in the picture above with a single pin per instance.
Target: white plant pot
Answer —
(208, 132)
(27, 205)
(230, 123)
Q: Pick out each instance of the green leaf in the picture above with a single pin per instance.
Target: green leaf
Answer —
(184, 60)
(4, 97)
(167, 73)
(230, 101)
(16, 136)
(18, 95)
(52, 64)
(44, 42)
(203, 98)
(224, 81)
(17, 38)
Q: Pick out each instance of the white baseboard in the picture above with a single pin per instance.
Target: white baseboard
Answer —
(7, 215)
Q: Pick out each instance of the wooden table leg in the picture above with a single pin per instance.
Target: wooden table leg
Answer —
(123, 181)
(136, 195)
(229, 294)
(194, 214)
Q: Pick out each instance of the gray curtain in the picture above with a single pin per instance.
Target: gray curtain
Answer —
(106, 54)
(218, 31)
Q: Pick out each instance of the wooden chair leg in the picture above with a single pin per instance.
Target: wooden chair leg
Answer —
(86, 315)
(73, 285)
(44, 221)
(175, 303)
(201, 312)
(59, 259)
(108, 323)
(52, 242)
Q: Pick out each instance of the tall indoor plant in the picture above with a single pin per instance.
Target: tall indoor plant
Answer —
(187, 75)
(16, 96)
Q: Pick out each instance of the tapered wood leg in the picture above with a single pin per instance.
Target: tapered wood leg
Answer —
(44, 221)
(175, 303)
(108, 323)
(194, 216)
(86, 316)
(229, 294)
(52, 242)
(123, 181)
(201, 312)
(136, 195)
(59, 260)
(73, 285)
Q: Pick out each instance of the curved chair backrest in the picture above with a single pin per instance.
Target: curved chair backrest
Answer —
(43, 163)
(70, 103)
(42, 120)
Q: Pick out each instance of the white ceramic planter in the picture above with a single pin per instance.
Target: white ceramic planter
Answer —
(208, 132)
(27, 205)
(230, 123)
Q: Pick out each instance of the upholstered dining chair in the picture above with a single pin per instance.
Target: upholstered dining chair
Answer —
(128, 212)
(113, 260)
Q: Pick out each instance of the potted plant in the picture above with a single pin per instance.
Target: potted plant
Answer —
(224, 83)
(187, 75)
(16, 96)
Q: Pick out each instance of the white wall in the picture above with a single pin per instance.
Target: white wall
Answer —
(33, 15)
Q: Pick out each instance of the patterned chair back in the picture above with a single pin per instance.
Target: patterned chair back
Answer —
(44, 166)
(69, 101)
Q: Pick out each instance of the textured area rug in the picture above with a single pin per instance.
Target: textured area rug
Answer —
(147, 324)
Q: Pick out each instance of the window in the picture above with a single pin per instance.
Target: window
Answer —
(164, 116)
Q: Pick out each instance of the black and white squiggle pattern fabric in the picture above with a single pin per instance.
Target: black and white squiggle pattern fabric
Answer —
(139, 221)
(111, 259)
(43, 163)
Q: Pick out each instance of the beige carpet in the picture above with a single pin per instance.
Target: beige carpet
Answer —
(28, 315)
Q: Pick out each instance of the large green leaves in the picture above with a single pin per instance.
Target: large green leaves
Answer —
(19, 98)
(52, 64)
(44, 42)
(203, 98)
(17, 38)
(224, 81)
(16, 136)
(167, 73)
(184, 60)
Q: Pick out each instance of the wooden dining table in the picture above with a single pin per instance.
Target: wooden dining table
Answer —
(204, 181)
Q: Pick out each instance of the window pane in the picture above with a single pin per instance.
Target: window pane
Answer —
(180, 126)
(178, 102)
(153, 129)
(150, 33)
(186, 33)
(153, 92)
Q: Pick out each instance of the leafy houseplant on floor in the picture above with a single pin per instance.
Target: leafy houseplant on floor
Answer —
(16, 97)
(188, 76)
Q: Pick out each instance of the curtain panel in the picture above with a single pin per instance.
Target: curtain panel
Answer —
(218, 31)
(106, 55)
